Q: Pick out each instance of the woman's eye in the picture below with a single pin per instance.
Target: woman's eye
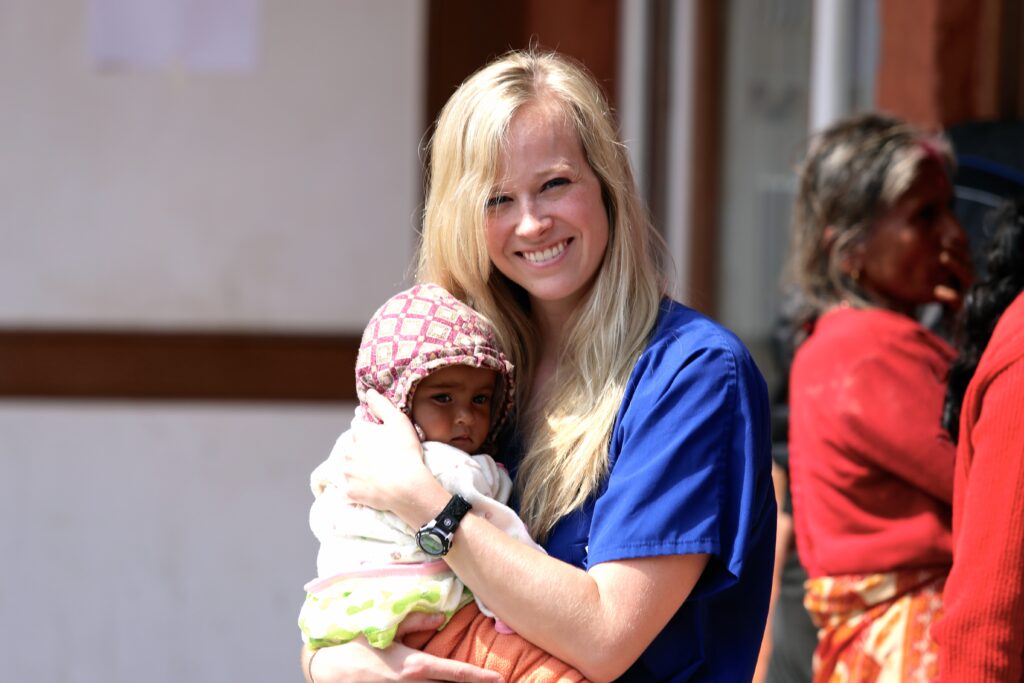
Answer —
(555, 182)
(928, 214)
(497, 199)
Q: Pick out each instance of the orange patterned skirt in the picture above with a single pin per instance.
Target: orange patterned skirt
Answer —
(876, 627)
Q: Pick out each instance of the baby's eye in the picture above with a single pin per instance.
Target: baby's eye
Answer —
(482, 399)
(555, 182)
(441, 398)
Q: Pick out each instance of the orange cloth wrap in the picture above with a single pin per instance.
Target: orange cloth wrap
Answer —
(471, 637)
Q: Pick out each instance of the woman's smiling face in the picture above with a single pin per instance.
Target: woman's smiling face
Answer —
(547, 226)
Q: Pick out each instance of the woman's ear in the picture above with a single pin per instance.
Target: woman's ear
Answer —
(851, 263)
(851, 260)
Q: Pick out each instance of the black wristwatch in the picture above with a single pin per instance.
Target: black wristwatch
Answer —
(435, 537)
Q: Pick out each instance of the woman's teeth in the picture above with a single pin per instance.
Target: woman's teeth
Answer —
(545, 254)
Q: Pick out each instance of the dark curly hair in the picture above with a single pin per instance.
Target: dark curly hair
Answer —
(984, 303)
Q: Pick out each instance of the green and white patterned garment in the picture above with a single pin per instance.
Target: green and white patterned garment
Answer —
(374, 606)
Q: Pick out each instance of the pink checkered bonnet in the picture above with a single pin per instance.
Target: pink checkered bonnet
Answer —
(419, 331)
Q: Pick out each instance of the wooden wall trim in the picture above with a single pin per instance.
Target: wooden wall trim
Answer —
(702, 287)
(587, 30)
(177, 365)
(464, 35)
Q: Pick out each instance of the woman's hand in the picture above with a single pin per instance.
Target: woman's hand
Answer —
(356, 661)
(384, 468)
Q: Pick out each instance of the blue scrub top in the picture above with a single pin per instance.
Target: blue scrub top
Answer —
(690, 472)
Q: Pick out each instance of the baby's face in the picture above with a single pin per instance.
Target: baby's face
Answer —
(453, 405)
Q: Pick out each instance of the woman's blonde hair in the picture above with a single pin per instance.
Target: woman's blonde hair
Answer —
(565, 438)
(854, 171)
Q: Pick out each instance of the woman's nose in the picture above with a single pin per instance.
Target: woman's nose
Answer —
(953, 234)
(533, 223)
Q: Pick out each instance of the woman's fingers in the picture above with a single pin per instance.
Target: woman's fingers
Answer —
(383, 466)
(395, 425)
(418, 621)
(356, 661)
(418, 666)
(382, 408)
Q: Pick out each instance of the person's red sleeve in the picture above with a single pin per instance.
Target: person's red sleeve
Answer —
(982, 633)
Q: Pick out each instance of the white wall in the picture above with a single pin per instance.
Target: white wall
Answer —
(174, 198)
(160, 542)
(169, 542)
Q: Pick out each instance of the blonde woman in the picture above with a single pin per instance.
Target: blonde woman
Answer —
(641, 428)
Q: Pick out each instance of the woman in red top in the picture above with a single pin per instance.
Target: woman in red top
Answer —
(981, 636)
(871, 468)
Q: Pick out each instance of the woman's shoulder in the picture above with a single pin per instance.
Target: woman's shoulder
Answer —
(1009, 329)
(868, 331)
(842, 320)
(681, 329)
(1006, 346)
(685, 339)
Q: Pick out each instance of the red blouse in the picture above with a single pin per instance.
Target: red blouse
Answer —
(871, 467)
(982, 634)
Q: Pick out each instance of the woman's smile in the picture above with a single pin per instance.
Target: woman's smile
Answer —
(546, 256)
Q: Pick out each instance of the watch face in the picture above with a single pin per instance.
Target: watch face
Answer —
(430, 542)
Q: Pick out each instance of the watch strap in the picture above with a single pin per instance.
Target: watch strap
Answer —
(435, 537)
(453, 512)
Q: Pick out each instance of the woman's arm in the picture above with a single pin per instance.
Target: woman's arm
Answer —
(783, 541)
(598, 621)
